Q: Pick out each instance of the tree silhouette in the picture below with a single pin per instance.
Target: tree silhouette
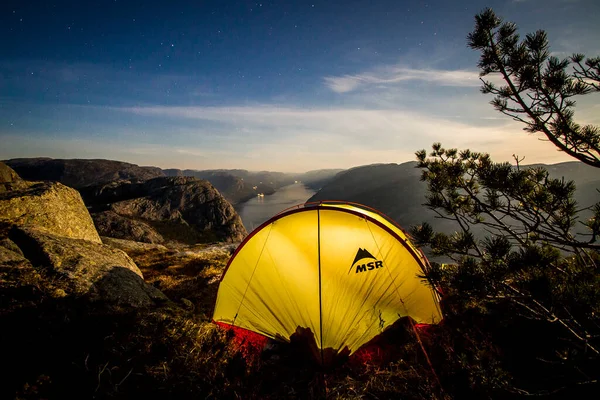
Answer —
(518, 259)
(539, 87)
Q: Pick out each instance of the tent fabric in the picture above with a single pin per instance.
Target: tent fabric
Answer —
(344, 272)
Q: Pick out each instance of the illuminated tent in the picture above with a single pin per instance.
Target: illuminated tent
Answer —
(340, 270)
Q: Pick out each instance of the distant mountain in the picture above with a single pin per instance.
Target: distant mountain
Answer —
(173, 172)
(394, 189)
(181, 209)
(587, 181)
(579, 172)
(316, 179)
(238, 185)
(140, 203)
(78, 173)
(397, 191)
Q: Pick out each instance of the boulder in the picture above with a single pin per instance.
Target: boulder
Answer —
(9, 179)
(12, 267)
(187, 203)
(178, 209)
(7, 174)
(117, 226)
(19, 281)
(98, 196)
(10, 245)
(51, 206)
(129, 246)
(85, 269)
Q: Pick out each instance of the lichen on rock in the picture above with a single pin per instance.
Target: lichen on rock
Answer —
(86, 269)
(48, 205)
(109, 223)
(180, 209)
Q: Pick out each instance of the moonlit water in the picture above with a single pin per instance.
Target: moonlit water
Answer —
(259, 209)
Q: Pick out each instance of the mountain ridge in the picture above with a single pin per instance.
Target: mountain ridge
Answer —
(397, 190)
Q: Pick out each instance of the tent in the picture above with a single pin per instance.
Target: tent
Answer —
(339, 272)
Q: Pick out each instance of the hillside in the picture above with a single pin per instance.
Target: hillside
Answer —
(180, 209)
(396, 190)
(85, 316)
(78, 173)
(238, 185)
(318, 178)
(141, 203)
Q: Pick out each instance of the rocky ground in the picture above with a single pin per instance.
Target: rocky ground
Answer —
(85, 316)
(188, 275)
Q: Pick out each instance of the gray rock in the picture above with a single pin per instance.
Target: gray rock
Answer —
(178, 209)
(50, 206)
(19, 281)
(86, 269)
(194, 211)
(129, 246)
(109, 223)
(9, 179)
(187, 304)
(10, 245)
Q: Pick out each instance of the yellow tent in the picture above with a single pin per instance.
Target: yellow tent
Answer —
(341, 270)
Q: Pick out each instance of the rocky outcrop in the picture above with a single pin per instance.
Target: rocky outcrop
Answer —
(180, 209)
(16, 273)
(49, 247)
(82, 268)
(173, 172)
(124, 201)
(99, 195)
(130, 247)
(78, 173)
(184, 203)
(109, 223)
(9, 180)
(238, 185)
(51, 206)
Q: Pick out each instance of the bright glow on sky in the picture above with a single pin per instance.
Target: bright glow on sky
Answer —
(288, 86)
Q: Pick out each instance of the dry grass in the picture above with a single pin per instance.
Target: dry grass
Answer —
(58, 347)
(189, 276)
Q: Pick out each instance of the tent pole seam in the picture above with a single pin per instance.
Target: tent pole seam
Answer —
(252, 276)
(387, 270)
(320, 293)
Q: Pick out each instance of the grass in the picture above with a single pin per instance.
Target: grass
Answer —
(189, 276)
(60, 347)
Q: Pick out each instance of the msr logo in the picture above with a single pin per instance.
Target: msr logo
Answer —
(363, 254)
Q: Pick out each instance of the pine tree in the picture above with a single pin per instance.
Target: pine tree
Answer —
(518, 263)
(539, 88)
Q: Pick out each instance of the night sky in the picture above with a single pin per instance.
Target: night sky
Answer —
(287, 86)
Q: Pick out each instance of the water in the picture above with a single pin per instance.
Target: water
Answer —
(259, 209)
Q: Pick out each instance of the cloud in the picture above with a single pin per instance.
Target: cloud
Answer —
(283, 138)
(394, 75)
(293, 138)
